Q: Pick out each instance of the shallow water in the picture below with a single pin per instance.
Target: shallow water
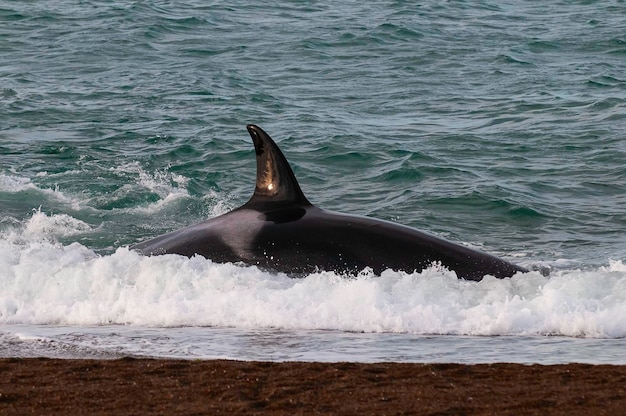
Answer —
(299, 345)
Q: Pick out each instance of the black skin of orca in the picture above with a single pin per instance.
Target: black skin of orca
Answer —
(278, 229)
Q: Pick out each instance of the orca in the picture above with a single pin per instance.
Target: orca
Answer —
(279, 230)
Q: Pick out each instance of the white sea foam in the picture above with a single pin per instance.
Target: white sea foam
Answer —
(169, 187)
(162, 183)
(17, 184)
(43, 282)
(42, 227)
(13, 183)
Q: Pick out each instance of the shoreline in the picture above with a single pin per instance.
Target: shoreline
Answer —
(169, 386)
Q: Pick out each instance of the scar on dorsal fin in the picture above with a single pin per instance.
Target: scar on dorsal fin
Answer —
(275, 182)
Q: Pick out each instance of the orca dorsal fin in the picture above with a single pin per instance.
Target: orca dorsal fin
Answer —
(275, 181)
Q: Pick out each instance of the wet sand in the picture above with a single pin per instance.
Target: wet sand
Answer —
(179, 387)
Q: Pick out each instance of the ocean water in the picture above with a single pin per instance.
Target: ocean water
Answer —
(500, 125)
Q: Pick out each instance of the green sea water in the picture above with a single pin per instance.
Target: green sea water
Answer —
(496, 124)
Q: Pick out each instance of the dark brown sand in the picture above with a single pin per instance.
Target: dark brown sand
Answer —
(175, 387)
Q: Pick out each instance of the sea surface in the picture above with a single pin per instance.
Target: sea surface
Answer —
(496, 124)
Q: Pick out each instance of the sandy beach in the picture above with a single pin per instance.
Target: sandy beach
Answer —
(148, 386)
